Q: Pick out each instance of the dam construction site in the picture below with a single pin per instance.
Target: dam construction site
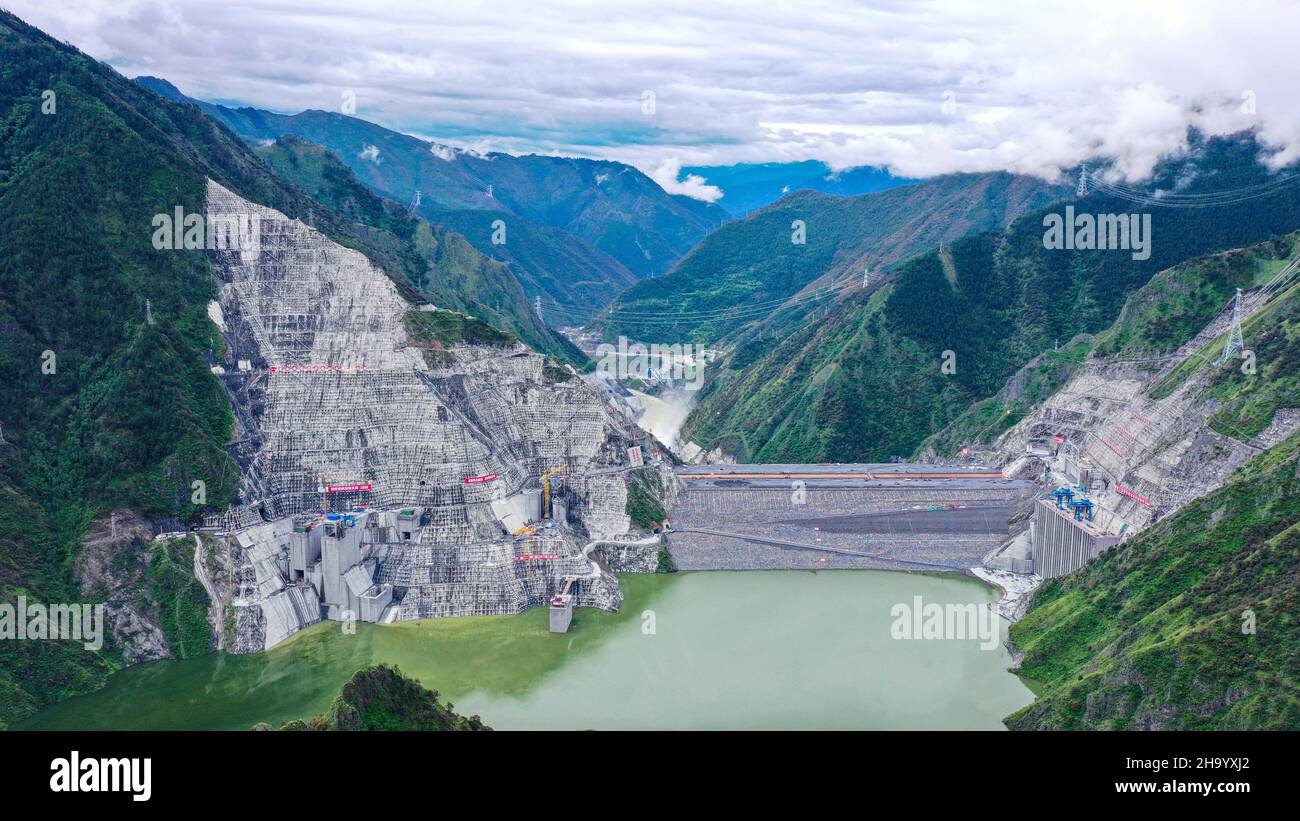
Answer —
(389, 477)
(391, 470)
(393, 467)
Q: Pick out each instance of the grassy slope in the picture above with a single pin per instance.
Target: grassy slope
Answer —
(1150, 635)
(182, 601)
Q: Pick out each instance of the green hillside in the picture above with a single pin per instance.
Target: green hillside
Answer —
(864, 380)
(742, 273)
(381, 699)
(573, 279)
(591, 227)
(1167, 312)
(1193, 625)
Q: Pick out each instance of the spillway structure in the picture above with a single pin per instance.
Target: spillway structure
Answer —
(884, 516)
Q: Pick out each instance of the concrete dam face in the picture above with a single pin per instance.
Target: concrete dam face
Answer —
(431, 470)
(895, 516)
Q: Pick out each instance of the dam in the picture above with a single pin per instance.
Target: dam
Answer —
(883, 516)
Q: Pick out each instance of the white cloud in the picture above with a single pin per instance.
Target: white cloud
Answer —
(1035, 87)
(694, 186)
(371, 153)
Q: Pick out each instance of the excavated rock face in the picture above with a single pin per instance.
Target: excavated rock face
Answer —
(333, 391)
(1161, 450)
(112, 563)
(337, 394)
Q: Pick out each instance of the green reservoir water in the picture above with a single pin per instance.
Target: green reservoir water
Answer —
(706, 650)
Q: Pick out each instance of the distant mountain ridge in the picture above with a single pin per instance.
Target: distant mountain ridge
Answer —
(746, 187)
(606, 219)
(863, 382)
(753, 273)
(453, 274)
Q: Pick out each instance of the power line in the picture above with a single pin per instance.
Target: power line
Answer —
(1211, 199)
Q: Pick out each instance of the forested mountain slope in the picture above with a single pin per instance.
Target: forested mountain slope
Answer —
(867, 380)
(607, 220)
(790, 262)
(113, 424)
(1167, 313)
(1192, 625)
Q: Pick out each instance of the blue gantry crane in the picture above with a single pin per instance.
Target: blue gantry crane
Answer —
(1081, 508)
(1064, 496)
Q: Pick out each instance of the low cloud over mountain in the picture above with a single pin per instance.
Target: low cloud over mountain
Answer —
(919, 88)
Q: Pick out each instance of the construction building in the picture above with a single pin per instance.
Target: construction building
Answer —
(1063, 540)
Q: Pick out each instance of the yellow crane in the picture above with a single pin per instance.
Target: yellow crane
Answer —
(545, 479)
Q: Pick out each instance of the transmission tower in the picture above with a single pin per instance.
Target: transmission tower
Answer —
(537, 306)
(148, 312)
(1082, 190)
(415, 202)
(1234, 344)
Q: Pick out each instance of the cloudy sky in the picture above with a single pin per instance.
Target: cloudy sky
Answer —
(920, 87)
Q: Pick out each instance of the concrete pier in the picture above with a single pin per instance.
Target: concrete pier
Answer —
(561, 614)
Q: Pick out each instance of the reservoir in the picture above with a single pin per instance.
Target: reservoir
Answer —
(700, 650)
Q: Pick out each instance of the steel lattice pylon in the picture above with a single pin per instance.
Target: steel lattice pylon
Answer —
(1234, 344)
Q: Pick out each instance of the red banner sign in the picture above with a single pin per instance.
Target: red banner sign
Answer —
(478, 480)
(1123, 491)
(347, 488)
(326, 368)
(1058, 438)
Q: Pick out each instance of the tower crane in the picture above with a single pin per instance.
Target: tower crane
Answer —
(545, 479)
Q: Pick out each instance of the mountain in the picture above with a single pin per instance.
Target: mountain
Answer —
(868, 381)
(380, 698)
(107, 399)
(746, 187)
(457, 276)
(746, 272)
(1192, 625)
(616, 222)
(1158, 335)
(572, 279)
(124, 410)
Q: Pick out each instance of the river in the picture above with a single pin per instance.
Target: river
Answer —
(706, 650)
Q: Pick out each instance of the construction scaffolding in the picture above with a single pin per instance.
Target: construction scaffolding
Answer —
(337, 411)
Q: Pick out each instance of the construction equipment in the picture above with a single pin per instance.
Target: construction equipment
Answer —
(1064, 496)
(1082, 507)
(545, 479)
